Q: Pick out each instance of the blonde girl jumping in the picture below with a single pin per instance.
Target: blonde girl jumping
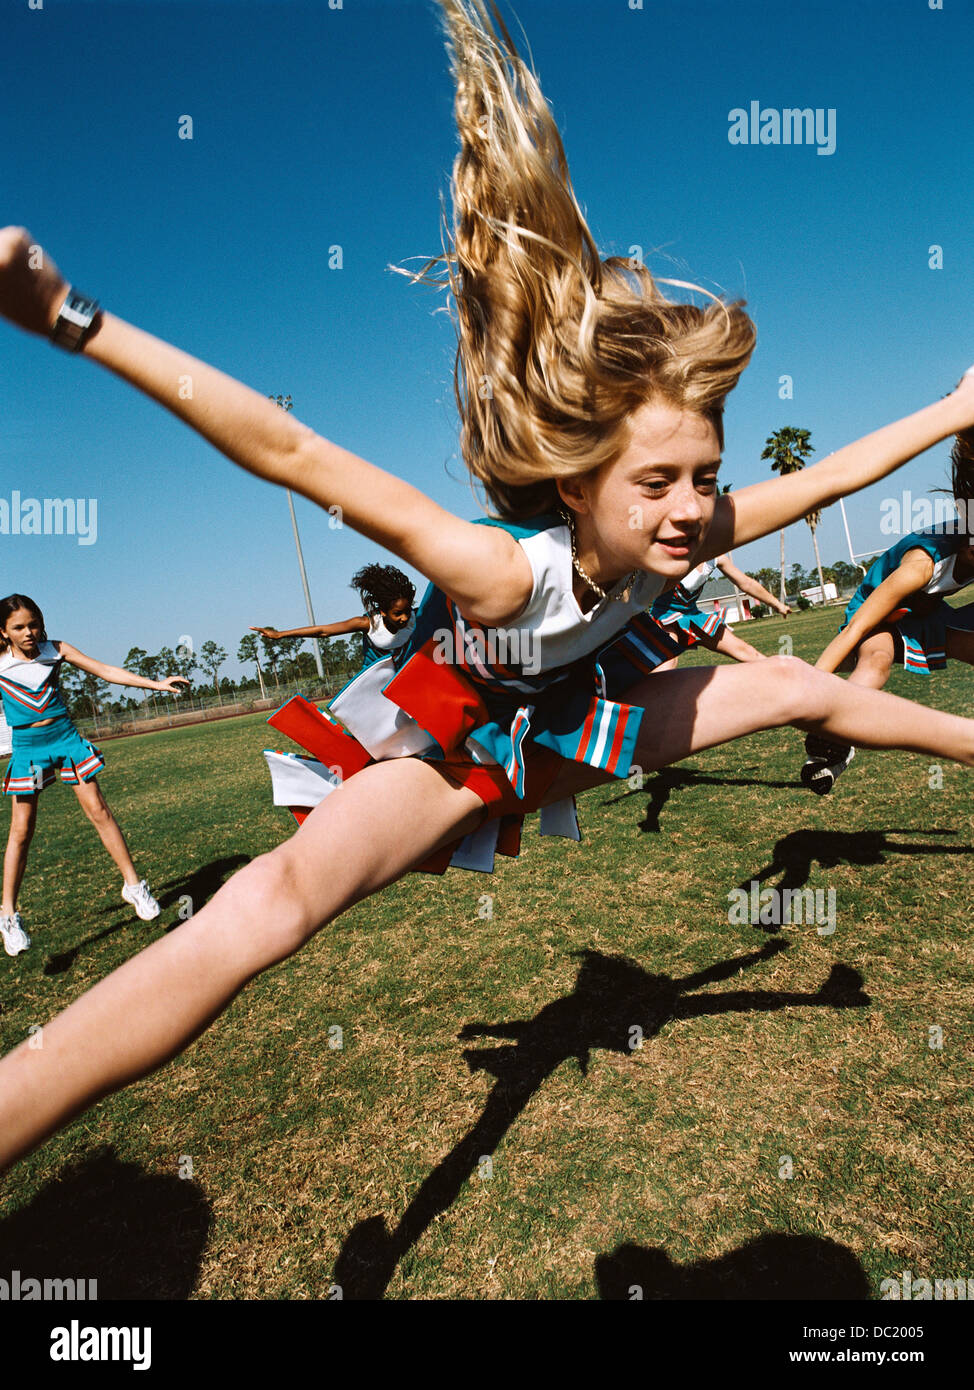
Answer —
(598, 447)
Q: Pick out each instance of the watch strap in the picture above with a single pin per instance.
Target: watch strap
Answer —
(73, 323)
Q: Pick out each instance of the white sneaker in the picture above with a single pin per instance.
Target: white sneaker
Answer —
(15, 939)
(141, 899)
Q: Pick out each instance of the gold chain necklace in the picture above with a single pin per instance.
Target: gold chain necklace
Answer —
(596, 588)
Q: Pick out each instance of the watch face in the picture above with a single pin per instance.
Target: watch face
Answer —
(76, 316)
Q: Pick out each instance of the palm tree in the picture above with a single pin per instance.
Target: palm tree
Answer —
(813, 519)
(788, 448)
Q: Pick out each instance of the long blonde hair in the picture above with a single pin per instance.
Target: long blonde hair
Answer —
(557, 347)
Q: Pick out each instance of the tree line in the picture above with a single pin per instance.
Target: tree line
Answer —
(279, 661)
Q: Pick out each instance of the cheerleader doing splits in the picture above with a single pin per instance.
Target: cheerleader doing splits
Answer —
(685, 623)
(46, 745)
(606, 400)
(387, 623)
(900, 613)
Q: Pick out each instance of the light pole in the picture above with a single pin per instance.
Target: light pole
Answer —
(852, 556)
(286, 403)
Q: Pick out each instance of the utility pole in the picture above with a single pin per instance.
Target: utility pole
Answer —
(286, 403)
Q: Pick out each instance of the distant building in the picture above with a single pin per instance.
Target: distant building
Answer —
(815, 595)
(719, 592)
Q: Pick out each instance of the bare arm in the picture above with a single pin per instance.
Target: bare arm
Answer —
(116, 675)
(756, 511)
(750, 586)
(915, 570)
(482, 568)
(359, 624)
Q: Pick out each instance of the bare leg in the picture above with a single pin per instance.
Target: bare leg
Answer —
(728, 643)
(366, 835)
(23, 819)
(874, 659)
(96, 808)
(733, 646)
(960, 645)
(361, 838)
(692, 710)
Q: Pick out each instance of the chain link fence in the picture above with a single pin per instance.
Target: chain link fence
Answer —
(163, 711)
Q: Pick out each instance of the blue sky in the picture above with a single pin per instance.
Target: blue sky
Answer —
(315, 127)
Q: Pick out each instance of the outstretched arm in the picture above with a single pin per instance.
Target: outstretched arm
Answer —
(359, 624)
(915, 570)
(758, 510)
(482, 568)
(117, 675)
(750, 586)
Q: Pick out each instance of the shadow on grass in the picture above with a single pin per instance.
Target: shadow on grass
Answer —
(668, 780)
(795, 854)
(56, 965)
(775, 1266)
(139, 1234)
(614, 1006)
(199, 888)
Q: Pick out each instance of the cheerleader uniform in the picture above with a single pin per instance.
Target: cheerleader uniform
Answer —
(677, 610)
(379, 642)
(922, 624)
(30, 692)
(499, 709)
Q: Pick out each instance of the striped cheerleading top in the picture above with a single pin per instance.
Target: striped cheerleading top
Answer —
(379, 642)
(549, 678)
(30, 688)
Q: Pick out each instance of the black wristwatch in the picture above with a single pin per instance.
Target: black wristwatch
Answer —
(73, 324)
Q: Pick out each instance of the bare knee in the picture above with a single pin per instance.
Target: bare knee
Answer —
(267, 903)
(21, 833)
(98, 813)
(801, 692)
(873, 669)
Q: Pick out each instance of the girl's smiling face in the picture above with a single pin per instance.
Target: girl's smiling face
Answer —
(23, 632)
(397, 615)
(652, 507)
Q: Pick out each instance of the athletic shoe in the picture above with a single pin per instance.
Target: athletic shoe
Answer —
(15, 939)
(141, 899)
(825, 762)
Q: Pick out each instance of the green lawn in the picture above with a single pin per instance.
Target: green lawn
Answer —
(487, 1129)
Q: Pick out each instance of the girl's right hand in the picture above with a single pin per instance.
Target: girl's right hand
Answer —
(32, 288)
(269, 632)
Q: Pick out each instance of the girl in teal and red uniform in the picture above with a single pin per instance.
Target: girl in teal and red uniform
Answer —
(47, 746)
(387, 623)
(900, 613)
(685, 623)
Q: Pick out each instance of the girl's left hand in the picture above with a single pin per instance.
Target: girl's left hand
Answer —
(32, 289)
(965, 390)
(171, 683)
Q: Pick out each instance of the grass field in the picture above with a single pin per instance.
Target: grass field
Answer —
(487, 1128)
